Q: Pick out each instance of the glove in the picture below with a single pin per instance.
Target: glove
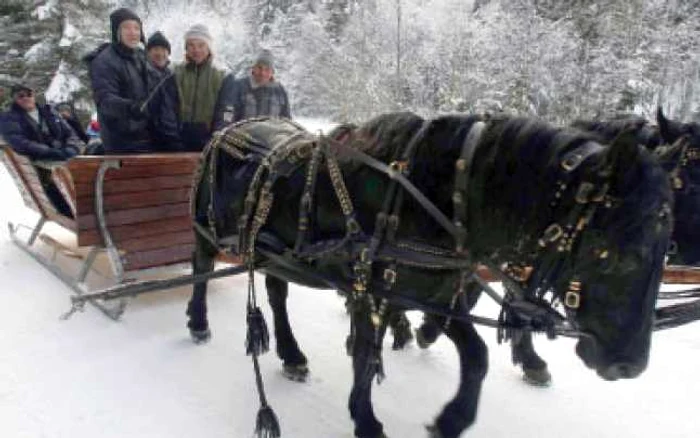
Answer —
(136, 111)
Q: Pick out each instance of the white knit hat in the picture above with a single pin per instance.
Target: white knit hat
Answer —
(199, 32)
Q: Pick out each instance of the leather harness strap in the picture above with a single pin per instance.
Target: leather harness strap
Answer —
(462, 169)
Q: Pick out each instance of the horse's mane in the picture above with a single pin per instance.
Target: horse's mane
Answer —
(516, 169)
(606, 130)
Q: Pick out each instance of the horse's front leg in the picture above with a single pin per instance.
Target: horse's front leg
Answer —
(460, 412)
(294, 361)
(203, 258)
(400, 329)
(366, 363)
(535, 370)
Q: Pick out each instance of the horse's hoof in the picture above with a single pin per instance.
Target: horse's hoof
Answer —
(433, 431)
(200, 336)
(296, 373)
(537, 377)
(381, 435)
(422, 341)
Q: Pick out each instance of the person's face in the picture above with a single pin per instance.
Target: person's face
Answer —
(25, 99)
(262, 74)
(65, 113)
(159, 56)
(196, 50)
(130, 33)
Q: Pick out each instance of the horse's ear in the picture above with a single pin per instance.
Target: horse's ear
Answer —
(670, 156)
(664, 125)
(623, 151)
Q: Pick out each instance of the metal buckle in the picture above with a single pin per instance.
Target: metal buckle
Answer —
(399, 166)
(353, 226)
(572, 299)
(584, 192)
(364, 255)
(390, 276)
(461, 165)
(570, 163)
(551, 234)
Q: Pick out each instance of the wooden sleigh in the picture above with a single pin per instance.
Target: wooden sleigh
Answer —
(132, 208)
(135, 209)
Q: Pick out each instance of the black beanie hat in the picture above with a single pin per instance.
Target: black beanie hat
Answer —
(158, 40)
(120, 15)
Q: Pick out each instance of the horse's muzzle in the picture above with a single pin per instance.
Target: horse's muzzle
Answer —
(588, 349)
(621, 371)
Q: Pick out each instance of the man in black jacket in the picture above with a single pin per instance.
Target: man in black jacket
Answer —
(134, 114)
(37, 131)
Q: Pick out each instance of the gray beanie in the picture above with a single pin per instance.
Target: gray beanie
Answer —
(199, 32)
(265, 58)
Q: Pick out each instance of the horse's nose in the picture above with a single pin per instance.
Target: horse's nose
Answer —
(622, 370)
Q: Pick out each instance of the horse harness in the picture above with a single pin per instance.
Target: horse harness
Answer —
(526, 289)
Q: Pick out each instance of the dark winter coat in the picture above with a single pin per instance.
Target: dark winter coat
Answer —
(77, 128)
(200, 92)
(51, 139)
(250, 100)
(122, 80)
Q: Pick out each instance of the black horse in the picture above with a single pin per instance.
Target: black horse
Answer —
(675, 145)
(593, 220)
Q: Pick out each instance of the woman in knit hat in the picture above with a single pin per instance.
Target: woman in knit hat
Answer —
(199, 84)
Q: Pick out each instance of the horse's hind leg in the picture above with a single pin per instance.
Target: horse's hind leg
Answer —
(431, 329)
(535, 370)
(364, 365)
(428, 332)
(460, 412)
(294, 362)
(203, 259)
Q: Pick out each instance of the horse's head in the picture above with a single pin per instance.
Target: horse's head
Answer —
(619, 259)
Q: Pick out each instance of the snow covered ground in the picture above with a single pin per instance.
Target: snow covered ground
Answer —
(142, 377)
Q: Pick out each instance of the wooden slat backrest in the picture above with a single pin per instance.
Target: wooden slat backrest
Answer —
(29, 184)
(146, 205)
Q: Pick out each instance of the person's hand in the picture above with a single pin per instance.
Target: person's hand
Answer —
(70, 152)
(56, 144)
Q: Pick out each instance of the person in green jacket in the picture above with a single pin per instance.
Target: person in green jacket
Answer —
(199, 86)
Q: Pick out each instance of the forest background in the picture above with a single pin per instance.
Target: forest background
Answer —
(348, 60)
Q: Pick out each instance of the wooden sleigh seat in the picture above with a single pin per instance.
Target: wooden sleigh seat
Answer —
(134, 208)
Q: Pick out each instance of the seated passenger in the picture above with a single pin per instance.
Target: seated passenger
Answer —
(67, 111)
(135, 114)
(37, 131)
(199, 86)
